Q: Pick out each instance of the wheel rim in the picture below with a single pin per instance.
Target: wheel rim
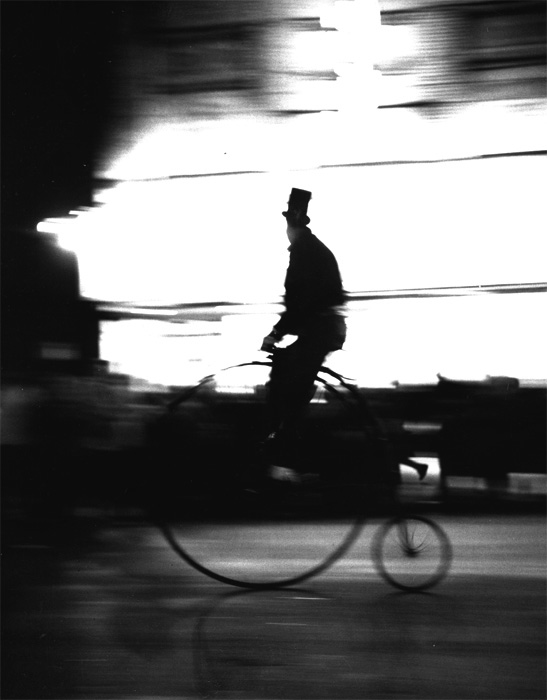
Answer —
(246, 551)
(254, 581)
(412, 553)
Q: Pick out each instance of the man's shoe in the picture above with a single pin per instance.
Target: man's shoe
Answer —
(279, 473)
(421, 469)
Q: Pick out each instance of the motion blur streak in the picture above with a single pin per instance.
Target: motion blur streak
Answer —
(419, 127)
(110, 613)
(416, 125)
(461, 337)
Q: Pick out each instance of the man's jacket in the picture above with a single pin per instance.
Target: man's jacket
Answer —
(313, 291)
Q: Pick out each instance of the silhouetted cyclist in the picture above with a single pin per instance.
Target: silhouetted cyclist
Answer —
(314, 313)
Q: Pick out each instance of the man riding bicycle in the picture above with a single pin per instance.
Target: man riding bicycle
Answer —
(314, 313)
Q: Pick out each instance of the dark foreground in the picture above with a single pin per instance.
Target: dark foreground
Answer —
(105, 609)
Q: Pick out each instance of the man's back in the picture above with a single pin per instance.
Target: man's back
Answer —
(313, 283)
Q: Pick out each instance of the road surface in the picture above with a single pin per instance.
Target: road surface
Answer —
(107, 610)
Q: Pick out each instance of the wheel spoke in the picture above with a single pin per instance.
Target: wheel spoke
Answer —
(412, 553)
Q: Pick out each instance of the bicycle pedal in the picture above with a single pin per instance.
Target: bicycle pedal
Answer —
(286, 474)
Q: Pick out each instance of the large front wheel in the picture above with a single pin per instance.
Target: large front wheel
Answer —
(209, 495)
(412, 553)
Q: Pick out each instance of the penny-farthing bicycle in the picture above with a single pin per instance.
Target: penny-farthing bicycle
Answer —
(209, 491)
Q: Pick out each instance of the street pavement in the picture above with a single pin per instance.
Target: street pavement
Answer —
(104, 608)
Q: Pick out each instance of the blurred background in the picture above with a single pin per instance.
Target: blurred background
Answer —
(148, 150)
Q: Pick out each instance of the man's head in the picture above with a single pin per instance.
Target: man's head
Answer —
(297, 210)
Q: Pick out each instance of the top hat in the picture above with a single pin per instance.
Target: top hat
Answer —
(297, 210)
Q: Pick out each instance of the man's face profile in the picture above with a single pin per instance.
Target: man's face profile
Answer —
(292, 232)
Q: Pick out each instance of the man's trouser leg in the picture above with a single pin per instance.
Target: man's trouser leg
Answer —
(292, 384)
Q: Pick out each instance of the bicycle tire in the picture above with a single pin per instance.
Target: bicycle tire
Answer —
(283, 582)
(170, 531)
(412, 553)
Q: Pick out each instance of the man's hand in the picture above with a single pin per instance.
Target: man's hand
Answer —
(269, 343)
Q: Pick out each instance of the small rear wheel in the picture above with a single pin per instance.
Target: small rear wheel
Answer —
(412, 553)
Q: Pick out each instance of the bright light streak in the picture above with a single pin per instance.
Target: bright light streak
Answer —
(233, 389)
(391, 227)
(359, 18)
(398, 41)
(412, 340)
(409, 341)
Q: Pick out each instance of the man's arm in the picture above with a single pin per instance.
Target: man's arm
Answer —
(271, 340)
